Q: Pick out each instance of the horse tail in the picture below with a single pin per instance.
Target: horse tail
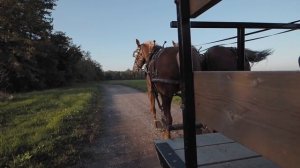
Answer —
(256, 56)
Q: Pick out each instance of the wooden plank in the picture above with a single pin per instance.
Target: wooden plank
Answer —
(199, 6)
(214, 150)
(201, 140)
(213, 154)
(258, 162)
(257, 109)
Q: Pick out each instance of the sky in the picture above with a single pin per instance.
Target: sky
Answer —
(108, 28)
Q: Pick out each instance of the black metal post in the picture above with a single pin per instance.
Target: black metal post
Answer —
(187, 83)
(241, 48)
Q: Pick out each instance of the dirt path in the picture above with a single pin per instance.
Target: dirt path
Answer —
(127, 137)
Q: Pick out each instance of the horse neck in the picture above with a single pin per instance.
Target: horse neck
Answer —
(147, 49)
(153, 52)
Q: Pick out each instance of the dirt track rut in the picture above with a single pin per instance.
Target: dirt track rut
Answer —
(127, 135)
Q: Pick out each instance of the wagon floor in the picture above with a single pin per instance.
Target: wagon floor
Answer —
(214, 150)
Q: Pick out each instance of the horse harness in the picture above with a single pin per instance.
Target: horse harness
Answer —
(153, 73)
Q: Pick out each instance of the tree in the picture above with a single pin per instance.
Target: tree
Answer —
(22, 23)
(89, 70)
(3, 78)
(34, 57)
(123, 75)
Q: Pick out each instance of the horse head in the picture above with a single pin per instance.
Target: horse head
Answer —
(142, 54)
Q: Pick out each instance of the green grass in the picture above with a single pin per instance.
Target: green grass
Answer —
(139, 85)
(45, 128)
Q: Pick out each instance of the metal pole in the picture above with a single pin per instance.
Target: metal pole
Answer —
(249, 25)
(241, 48)
(187, 83)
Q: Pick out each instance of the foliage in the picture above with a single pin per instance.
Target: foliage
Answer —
(46, 128)
(123, 75)
(3, 77)
(32, 56)
(88, 70)
(137, 84)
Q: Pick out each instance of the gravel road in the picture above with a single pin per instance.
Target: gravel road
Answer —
(127, 135)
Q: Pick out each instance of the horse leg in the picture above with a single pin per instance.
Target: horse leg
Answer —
(167, 118)
(157, 124)
(152, 101)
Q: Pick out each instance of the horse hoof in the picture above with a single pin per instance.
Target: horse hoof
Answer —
(158, 125)
(166, 135)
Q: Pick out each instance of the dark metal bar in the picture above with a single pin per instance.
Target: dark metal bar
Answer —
(180, 126)
(187, 84)
(241, 49)
(247, 34)
(253, 25)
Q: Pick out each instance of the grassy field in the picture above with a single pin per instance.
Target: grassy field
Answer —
(137, 84)
(47, 128)
(140, 85)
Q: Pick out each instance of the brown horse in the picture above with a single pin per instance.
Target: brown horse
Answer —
(219, 58)
(162, 76)
(163, 71)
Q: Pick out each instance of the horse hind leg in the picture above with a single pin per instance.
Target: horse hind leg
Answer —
(167, 118)
(151, 96)
(156, 123)
(152, 101)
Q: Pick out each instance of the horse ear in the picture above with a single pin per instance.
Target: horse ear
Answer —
(174, 44)
(137, 42)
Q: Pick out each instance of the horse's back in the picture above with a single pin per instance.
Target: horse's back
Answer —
(166, 63)
(196, 60)
(219, 58)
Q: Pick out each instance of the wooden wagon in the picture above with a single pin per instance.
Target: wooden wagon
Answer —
(256, 114)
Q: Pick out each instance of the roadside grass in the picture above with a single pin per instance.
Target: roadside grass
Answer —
(48, 128)
(139, 85)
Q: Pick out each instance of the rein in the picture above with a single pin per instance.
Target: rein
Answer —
(168, 81)
(153, 75)
(153, 56)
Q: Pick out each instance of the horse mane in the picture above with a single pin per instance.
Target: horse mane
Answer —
(153, 45)
(150, 43)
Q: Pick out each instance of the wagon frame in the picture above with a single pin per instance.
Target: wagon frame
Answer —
(166, 149)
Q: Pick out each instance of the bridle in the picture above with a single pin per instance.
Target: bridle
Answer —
(139, 59)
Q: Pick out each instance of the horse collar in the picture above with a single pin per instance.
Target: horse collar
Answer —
(155, 53)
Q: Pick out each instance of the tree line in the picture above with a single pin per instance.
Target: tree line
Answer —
(123, 75)
(32, 56)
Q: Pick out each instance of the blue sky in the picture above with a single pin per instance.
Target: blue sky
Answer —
(108, 28)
